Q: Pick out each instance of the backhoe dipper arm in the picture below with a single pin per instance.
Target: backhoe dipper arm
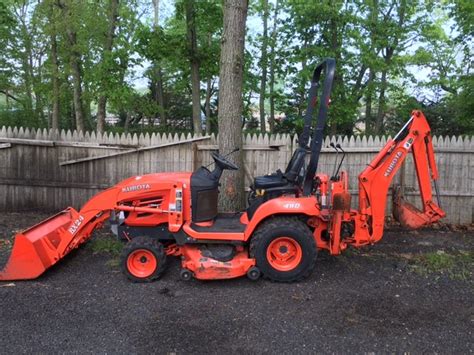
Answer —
(375, 180)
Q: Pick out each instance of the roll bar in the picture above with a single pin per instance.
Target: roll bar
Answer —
(329, 67)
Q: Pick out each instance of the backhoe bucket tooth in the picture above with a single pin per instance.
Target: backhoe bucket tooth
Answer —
(406, 214)
(39, 247)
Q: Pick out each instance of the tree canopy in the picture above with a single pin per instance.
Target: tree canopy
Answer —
(138, 65)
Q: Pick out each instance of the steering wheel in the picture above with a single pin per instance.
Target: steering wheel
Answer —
(223, 162)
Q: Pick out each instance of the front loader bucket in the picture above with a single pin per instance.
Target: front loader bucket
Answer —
(39, 247)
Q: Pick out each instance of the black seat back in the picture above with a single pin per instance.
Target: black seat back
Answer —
(295, 165)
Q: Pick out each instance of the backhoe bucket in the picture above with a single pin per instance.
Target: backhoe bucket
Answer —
(408, 215)
(39, 247)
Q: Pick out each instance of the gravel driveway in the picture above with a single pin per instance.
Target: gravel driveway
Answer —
(383, 298)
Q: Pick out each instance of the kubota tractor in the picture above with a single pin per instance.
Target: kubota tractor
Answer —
(291, 214)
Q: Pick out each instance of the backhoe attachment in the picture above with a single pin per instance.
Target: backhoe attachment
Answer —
(375, 181)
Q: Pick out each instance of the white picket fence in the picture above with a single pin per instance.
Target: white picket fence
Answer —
(44, 169)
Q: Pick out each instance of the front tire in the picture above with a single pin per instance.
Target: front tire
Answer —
(284, 249)
(143, 259)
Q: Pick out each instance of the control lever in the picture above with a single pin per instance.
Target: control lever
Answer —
(338, 146)
(333, 176)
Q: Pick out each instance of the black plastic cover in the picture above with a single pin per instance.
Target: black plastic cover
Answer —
(204, 192)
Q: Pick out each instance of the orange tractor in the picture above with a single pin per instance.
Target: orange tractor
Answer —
(291, 214)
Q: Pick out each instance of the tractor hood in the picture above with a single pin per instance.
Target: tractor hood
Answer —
(149, 185)
(141, 181)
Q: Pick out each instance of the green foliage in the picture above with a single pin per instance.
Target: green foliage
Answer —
(392, 57)
(458, 266)
(107, 245)
(289, 125)
(463, 12)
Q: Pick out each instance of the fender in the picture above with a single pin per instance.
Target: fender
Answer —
(282, 205)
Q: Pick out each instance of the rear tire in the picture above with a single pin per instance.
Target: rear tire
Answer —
(143, 259)
(284, 249)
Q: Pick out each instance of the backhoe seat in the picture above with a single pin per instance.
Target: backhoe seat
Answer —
(268, 181)
(280, 179)
(278, 183)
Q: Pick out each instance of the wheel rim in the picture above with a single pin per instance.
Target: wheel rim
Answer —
(142, 263)
(284, 254)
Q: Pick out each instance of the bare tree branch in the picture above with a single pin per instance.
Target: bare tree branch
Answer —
(6, 93)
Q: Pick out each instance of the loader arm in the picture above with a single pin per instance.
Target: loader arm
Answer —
(375, 180)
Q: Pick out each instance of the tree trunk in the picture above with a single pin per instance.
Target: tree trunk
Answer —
(157, 79)
(67, 110)
(39, 101)
(336, 44)
(75, 63)
(55, 82)
(101, 112)
(109, 40)
(271, 119)
(25, 63)
(230, 101)
(194, 62)
(160, 96)
(370, 85)
(389, 53)
(128, 118)
(302, 86)
(207, 105)
(209, 88)
(86, 106)
(368, 102)
(381, 106)
(383, 87)
(76, 80)
(33, 80)
(263, 65)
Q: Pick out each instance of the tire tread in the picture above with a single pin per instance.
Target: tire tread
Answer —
(144, 243)
(260, 235)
